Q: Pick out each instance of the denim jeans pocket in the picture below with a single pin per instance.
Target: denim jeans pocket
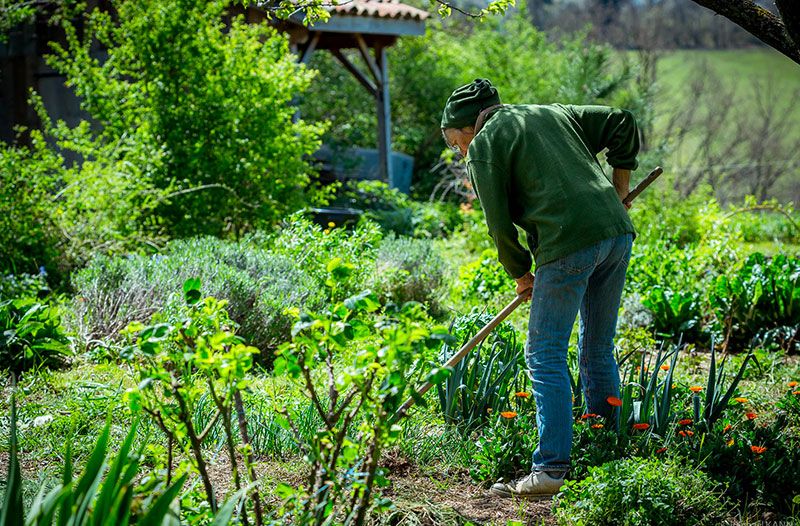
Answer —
(580, 260)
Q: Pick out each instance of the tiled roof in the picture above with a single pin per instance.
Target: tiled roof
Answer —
(379, 9)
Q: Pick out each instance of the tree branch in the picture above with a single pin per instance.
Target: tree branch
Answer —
(762, 24)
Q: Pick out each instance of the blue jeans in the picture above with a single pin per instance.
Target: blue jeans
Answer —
(588, 281)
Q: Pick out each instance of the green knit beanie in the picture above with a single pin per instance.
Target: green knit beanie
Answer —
(465, 103)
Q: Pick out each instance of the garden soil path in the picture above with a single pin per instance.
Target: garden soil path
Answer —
(429, 497)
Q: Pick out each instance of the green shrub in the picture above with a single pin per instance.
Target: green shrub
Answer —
(408, 269)
(258, 285)
(504, 449)
(176, 70)
(29, 232)
(31, 335)
(396, 212)
(313, 249)
(639, 492)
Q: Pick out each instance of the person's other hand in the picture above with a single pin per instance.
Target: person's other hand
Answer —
(525, 283)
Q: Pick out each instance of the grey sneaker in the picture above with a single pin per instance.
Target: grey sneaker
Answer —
(538, 485)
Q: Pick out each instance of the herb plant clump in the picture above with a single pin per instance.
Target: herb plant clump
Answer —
(639, 492)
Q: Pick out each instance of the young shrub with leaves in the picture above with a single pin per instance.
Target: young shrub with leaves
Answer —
(176, 364)
(640, 492)
(357, 404)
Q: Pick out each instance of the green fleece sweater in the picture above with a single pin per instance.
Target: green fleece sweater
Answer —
(536, 167)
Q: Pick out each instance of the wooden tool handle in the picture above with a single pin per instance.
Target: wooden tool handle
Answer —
(471, 344)
(652, 176)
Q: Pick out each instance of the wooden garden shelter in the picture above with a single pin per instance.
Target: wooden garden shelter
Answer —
(368, 26)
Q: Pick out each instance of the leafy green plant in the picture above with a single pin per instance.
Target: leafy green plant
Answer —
(356, 403)
(31, 335)
(676, 314)
(755, 460)
(504, 448)
(485, 380)
(177, 363)
(594, 443)
(761, 295)
(483, 280)
(638, 492)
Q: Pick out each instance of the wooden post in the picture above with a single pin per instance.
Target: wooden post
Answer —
(384, 119)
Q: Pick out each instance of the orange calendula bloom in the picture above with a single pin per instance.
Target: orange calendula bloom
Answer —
(685, 422)
(673, 386)
(489, 409)
(597, 426)
(641, 426)
(661, 450)
(613, 400)
(726, 429)
(682, 433)
(665, 367)
(751, 416)
(796, 392)
(741, 400)
(758, 449)
(690, 433)
(522, 395)
(588, 415)
(695, 389)
(792, 384)
(508, 414)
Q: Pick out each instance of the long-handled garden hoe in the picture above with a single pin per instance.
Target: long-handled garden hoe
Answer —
(489, 327)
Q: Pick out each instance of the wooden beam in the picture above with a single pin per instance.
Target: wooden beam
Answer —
(309, 49)
(384, 119)
(357, 73)
(373, 67)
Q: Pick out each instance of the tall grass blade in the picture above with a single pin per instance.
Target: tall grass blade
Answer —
(13, 513)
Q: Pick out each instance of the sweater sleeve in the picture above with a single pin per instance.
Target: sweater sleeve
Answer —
(491, 185)
(612, 128)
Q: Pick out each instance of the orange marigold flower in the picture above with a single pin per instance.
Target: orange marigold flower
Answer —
(740, 399)
(661, 450)
(641, 426)
(613, 400)
(690, 433)
(665, 367)
(751, 416)
(588, 415)
(673, 386)
(758, 449)
(726, 429)
(508, 414)
(682, 433)
(489, 409)
(685, 422)
(640, 368)
(522, 395)
(792, 384)
(597, 426)
(695, 388)
(796, 392)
